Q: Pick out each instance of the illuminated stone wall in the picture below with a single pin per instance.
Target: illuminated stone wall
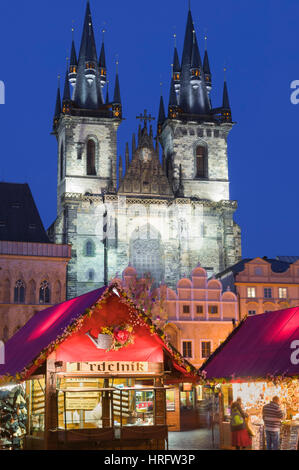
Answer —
(164, 234)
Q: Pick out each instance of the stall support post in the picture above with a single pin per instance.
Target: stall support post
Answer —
(106, 406)
(160, 408)
(51, 408)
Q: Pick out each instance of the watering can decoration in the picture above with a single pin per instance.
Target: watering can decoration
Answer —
(102, 341)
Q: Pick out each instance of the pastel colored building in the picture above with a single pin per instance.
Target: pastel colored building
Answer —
(263, 284)
(197, 316)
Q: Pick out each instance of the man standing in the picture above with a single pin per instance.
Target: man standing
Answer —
(272, 416)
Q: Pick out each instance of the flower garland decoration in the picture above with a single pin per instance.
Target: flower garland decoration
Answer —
(138, 318)
(122, 336)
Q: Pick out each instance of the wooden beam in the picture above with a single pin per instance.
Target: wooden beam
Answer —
(51, 407)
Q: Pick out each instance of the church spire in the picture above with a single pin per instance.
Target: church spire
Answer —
(193, 96)
(176, 71)
(226, 109)
(206, 68)
(66, 92)
(88, 93)
(173, 104)
(161, 117)
(116, 97)
(57, 111)
(73, 65)
(102, 64)
(196, 65)
(117, 108)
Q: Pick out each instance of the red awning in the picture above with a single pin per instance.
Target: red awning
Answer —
(261, 346)
(63, 328)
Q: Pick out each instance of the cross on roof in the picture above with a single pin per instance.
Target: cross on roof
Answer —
(146, 117)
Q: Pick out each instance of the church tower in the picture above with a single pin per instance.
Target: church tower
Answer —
(194, 140)
(162, 217)
(85, 126)
(194, 135)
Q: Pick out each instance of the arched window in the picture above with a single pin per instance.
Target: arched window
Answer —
(19, 292)
(89, 248)
(61, 161)
(44, 293)
(200, 162)
(91, 157)
(146, 252)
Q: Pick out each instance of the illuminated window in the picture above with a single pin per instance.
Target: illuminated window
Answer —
(267, 293)
(19, 292)
(213, 309)
(89, 249)
(251, 312)
(205, 349)
(200, 162)
(91, 157)
(251, 294)
(187, 349)
(282, 292)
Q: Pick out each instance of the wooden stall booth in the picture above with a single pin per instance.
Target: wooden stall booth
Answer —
(94, 370)
(258, 361)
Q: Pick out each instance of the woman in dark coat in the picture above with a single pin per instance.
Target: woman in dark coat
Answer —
(240, 435)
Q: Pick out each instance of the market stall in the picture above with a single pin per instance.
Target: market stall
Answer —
(94, 372)
(257, 362)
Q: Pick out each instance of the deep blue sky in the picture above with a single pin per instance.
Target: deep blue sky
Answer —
(257, 39)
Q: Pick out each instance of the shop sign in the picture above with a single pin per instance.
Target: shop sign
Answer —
(108, 367)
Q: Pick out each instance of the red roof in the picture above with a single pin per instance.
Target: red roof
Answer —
(64, 328)
(260, 346)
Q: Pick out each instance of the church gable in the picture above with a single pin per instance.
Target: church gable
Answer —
(144, 174)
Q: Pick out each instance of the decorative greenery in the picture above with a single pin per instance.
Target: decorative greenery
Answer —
(137, 317)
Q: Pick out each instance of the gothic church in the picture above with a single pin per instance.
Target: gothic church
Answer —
(163, 216)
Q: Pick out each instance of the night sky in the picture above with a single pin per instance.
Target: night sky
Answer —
(256, 39)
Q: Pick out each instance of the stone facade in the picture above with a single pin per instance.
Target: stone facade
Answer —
(180, 141)
(164, 234)
(25, 267)
(197, 316)
(165, 216)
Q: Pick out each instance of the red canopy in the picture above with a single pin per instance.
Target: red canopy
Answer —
(63, 328)
(260, 346)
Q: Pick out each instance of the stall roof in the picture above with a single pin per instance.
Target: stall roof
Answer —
(260, 346)
(62, 326)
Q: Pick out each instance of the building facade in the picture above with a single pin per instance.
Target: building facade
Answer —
(196, 316)
(263, 284)
(162, 215)
(32, 270)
